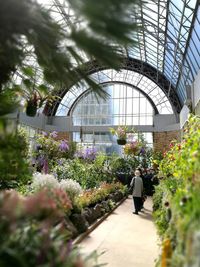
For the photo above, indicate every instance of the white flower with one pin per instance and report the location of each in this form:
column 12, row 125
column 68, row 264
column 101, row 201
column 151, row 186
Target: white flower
column 63, row 171
column 44, row 181
column 71, row 187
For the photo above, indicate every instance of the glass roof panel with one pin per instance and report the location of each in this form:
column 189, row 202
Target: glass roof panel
column 164, row 36
column 180, row 15
column 162, row 39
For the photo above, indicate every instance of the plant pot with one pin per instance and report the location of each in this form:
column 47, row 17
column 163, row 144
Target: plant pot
column 121, row 142
column 89, row 215
column 31, row 109
column 79, row 222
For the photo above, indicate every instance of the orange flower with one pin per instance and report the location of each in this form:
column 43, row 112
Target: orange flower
column 166, row 253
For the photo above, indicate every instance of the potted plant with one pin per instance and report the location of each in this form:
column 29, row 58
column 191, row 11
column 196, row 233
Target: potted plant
column 120, row 132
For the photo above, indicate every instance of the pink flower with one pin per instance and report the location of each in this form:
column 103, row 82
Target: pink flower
column 10, row 204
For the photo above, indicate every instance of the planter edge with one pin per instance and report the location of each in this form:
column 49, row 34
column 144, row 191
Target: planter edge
column 95, row 224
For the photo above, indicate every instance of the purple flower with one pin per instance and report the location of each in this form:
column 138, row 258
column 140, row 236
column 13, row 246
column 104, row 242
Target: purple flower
column 54, row 134
column 142, row 151
column 41, row 159
column 63, row 146
column 60, row 162
column 90, row 153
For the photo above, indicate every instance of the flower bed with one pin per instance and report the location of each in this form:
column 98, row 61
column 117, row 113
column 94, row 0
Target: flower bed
column 94, row 203
column 40, row 225
column 177, row 198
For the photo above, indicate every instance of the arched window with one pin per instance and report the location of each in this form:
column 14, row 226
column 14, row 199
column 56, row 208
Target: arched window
column 125, row 106
column 133, row 100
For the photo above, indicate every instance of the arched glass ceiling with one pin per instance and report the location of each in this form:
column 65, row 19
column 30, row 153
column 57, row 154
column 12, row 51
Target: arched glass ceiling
column 164, row 39
column 152, row 90
column 167, row 40
column 191, row 64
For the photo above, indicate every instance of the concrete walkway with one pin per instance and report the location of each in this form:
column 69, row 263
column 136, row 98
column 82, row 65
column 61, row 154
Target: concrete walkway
column 126, row 239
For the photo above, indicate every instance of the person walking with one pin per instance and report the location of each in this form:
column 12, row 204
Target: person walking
column 137, row 185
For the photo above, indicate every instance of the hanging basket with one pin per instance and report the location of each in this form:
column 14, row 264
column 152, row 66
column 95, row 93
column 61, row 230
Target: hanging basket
column 31, row 109
column 121, row 142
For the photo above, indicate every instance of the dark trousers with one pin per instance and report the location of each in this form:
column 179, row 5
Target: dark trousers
column 137, row 203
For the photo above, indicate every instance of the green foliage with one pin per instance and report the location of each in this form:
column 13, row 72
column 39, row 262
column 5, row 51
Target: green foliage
column 7, row 102
column 146, row 158
column 123, row 165
column 157, row 197
column 100, row 160
column 14, row 166
column 109, row 19
column 163, row 194
column 69, row 154
column 88, row 175
column 96, row 195
column 183, row 158
column 156, row 157
column 160, row 217
column 25, row 19
column 100, row 40
column 179, row 192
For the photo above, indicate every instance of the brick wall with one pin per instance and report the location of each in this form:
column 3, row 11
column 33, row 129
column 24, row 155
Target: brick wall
column 163, row 139
column 64, row 135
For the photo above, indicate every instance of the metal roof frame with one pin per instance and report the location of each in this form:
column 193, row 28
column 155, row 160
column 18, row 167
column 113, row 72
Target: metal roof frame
column 133, row 65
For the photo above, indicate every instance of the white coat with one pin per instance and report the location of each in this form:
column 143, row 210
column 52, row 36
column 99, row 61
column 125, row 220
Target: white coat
column 137, row 184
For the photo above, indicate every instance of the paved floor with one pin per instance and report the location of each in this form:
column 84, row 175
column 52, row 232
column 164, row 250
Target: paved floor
column 127, row 240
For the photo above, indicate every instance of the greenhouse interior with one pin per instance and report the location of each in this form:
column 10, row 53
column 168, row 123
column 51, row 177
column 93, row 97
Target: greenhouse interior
column 100, row 133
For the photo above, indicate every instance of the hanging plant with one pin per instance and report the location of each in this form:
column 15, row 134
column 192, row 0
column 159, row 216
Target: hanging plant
column 34, row 93
column 121, row 142
column 120, row 133
column 32, row 106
